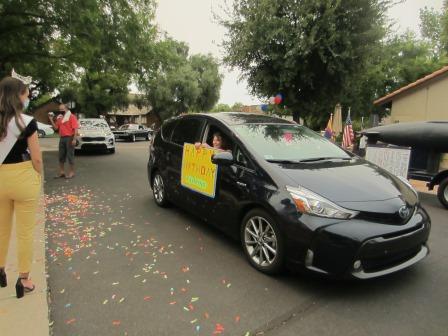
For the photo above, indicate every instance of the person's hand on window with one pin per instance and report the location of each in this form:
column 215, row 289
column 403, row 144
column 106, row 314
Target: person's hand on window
column 197, row 145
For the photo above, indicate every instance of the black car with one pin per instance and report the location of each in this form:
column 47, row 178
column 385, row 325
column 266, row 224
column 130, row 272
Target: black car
column 293, row 198
column 132, row 132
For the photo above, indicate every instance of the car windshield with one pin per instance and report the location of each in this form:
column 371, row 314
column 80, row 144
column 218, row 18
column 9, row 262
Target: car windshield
column 128, row 127
column 288, row 143
column 93, row 124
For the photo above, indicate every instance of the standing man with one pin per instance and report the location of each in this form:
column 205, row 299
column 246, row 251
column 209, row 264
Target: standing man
column 67, row 125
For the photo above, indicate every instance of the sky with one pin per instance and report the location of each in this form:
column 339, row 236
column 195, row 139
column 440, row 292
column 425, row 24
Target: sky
column 192, row 21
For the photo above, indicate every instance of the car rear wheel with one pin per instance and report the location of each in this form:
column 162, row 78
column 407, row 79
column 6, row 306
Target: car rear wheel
column 262, row 242
column 158, row 190
column 442, row 192
column 132, row 138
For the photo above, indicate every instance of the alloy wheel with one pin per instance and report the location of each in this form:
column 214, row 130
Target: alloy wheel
column 260, row 241
column 158, row 189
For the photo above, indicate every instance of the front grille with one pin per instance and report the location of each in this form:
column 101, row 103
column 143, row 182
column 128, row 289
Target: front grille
column 389, row 260
column 385, row 218
column 88, row 139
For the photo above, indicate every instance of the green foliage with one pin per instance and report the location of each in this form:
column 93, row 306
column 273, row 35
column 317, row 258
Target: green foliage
column 307, row 50
column 88, row 47
column 174, row 83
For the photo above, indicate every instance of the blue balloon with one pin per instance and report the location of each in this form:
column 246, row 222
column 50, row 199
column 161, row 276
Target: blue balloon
column 264, row 107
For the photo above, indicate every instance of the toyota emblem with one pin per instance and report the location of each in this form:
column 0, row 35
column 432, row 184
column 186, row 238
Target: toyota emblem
column 404, row 212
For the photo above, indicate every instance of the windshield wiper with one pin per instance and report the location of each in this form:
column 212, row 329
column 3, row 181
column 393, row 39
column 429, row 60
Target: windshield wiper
column 325, row 158
column 281, row 161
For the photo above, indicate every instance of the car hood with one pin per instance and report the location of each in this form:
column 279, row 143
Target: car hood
column 94, row 132
column 355, row 184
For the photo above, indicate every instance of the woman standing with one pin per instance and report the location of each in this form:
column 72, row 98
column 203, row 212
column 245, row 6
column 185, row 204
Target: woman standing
column 20, row 179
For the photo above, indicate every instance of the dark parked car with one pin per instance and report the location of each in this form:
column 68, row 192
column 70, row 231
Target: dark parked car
column 293, row 198
column 132, row 132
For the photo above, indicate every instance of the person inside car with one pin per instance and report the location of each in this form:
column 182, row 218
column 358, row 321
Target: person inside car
column 218, row 143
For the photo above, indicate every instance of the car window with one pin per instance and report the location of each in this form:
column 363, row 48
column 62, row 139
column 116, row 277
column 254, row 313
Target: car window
column 241, row 159
column 287, row 142
column 93, row 124
column 167, row 129
column 187, row 130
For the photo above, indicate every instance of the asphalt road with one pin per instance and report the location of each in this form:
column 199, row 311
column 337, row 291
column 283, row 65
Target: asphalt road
column 120, row 265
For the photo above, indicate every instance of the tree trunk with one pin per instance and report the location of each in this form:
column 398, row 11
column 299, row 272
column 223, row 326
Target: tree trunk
column 296, row 116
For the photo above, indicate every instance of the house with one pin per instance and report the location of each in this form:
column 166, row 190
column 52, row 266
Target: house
column 425, row 99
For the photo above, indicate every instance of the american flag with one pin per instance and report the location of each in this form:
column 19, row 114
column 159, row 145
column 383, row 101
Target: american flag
column 347, row 139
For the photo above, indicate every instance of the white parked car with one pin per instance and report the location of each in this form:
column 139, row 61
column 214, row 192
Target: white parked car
column 95, row 133
column 44, row 130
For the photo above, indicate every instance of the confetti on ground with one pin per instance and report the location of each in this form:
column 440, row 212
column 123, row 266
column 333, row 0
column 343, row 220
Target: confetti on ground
column 73, row 320
column 116, row 323
column 219, row 329
column 147, row 298
column 237, row 319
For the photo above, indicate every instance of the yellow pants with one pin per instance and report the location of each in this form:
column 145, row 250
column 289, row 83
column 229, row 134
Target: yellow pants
column 20, row 188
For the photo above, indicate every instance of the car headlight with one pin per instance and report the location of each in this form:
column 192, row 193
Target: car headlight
column 405, row 181
column 310, row 203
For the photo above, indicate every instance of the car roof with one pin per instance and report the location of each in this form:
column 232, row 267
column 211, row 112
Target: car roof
column 239, row 118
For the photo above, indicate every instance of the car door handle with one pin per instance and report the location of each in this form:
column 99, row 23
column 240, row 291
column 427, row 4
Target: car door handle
column 241, row 184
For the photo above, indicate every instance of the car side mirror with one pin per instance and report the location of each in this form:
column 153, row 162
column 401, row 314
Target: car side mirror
column 222, row 159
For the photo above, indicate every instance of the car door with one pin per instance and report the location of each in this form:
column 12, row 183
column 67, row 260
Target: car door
column 233, row 190
column 187, row 130
column 232, row 185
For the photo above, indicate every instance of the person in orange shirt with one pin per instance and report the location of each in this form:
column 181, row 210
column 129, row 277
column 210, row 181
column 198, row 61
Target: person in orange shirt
column 67, row 126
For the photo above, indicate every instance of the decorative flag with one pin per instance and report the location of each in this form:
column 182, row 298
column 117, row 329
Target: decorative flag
column 329, row 130
column 347, row 139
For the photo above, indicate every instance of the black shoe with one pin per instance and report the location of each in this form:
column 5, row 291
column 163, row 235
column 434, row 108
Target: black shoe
column 21, row 289
column 3, row 282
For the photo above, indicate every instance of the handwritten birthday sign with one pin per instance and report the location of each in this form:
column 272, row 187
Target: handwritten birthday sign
column 198, row 171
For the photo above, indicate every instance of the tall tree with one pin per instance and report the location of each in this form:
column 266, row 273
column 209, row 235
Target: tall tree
column 307, row 50
column 175, row 83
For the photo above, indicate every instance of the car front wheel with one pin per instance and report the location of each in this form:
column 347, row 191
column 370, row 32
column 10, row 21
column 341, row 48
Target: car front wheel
column 262, row 242
column 442, row 192
column 158, row 190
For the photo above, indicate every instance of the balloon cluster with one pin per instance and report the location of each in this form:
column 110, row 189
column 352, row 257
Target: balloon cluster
column 272, row 100
column 276, row 100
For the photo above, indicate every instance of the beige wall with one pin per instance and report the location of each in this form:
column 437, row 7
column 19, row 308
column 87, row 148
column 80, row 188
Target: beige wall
column 428, row 102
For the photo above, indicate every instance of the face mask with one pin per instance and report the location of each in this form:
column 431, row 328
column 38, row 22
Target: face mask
column 26, row 103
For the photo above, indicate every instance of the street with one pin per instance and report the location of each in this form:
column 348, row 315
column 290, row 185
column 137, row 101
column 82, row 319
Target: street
column 120, row 265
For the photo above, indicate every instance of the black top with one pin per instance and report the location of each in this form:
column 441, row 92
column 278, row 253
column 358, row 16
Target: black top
column 21, row 146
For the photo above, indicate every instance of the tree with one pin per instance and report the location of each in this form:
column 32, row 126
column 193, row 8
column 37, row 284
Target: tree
column 307, row 50
column 209, row 81
column 92, row 46
column 175, row 83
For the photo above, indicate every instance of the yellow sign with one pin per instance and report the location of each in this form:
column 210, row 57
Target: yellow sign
column 198, row 171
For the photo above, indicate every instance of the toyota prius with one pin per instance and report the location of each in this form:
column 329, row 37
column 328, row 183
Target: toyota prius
column 293, row 198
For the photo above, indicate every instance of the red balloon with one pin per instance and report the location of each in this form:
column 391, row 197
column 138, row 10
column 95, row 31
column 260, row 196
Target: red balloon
column 278, row 99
